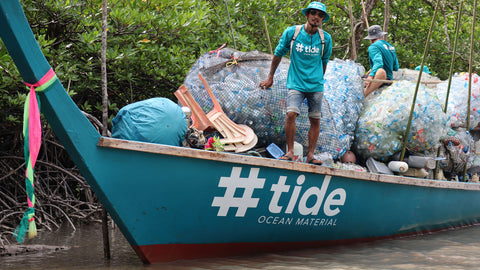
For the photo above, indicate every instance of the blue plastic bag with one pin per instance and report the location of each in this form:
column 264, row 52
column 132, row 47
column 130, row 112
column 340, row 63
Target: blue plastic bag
column 155, row 120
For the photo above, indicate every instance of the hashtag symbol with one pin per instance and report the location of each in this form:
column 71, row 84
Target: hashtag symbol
column 299, row 47
column 231, row 184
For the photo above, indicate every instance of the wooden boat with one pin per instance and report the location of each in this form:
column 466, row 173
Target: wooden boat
column 174, row 203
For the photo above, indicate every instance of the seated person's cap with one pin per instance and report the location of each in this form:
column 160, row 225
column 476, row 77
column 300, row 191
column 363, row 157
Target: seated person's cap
column 375, row 32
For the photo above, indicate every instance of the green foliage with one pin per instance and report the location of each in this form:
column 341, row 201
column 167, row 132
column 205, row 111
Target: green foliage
column 11, row 100
column 153, row 43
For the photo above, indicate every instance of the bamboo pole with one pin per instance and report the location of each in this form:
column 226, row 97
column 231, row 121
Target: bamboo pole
column 231, row 27
column 427, row 44
column 365, row 14
column 470, row 63
column 457, row 27
column 353, row 35
column 268, row 35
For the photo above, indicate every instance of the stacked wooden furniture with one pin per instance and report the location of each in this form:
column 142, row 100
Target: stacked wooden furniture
column 236, row 137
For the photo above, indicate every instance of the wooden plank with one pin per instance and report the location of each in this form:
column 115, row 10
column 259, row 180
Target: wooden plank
column 393, row 81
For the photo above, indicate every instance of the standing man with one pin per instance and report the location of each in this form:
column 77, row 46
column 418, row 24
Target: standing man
column 382, row 58
column 309, row 53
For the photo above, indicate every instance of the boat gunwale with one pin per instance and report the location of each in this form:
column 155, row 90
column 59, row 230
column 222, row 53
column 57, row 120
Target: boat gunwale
column 163, row 149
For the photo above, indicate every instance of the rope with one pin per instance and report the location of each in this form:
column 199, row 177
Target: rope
column 233, row 62
column 32, row 132
column 217, row 51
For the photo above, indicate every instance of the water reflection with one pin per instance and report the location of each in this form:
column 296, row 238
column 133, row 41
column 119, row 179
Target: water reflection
column 83, row 250
column 456, row 249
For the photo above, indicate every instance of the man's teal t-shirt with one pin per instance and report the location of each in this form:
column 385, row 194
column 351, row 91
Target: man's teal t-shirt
column 306, row 63
column 381, row 54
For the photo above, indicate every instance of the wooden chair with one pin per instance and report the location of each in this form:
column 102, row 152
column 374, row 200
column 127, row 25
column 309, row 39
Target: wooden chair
column 199, row 119
column 238, row 138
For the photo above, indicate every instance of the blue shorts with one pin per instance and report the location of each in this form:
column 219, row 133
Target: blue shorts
column 314, row 102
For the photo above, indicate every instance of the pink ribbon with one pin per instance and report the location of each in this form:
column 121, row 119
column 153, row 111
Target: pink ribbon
column 34, row 127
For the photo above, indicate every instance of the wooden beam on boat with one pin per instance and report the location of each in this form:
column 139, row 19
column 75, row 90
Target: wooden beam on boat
column 393, row 81
column 275, row 163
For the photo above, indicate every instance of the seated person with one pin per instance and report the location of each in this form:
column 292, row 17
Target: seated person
column 382, row 58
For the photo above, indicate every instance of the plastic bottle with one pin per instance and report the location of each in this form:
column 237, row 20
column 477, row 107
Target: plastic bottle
column 297, row 152
column 398, row 166
column 421, row 162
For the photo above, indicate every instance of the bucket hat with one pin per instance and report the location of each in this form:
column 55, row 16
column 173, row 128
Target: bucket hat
column 375, row 32
column 425, row 69
column 319, row 6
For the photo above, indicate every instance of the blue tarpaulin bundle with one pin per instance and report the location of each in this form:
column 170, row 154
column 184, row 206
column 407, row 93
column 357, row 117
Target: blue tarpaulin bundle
column 155, row 120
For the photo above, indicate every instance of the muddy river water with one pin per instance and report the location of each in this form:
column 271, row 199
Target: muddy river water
column 83, row 249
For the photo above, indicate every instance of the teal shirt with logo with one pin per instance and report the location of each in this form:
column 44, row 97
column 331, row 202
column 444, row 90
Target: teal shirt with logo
column 306, row 63
column 381, row 54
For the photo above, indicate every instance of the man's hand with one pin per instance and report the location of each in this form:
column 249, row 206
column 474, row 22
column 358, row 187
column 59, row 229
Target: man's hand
column 266, row 84
column 367, row 83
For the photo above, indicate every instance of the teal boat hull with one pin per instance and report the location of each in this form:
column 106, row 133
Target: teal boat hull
column 175, row 203
column 221, row 204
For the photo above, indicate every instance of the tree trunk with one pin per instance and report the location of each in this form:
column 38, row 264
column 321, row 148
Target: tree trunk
column 104, row 69
column 386, row 18
column 359, row 25
column 363, row 22
column 106, row 240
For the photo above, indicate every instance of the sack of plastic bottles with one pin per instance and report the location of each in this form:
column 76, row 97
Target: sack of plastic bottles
column 344, row 101
column 458, row 99
column 383, row 122
column 235, row 77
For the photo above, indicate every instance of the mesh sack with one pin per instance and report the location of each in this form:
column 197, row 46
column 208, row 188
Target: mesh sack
column 234, row 78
